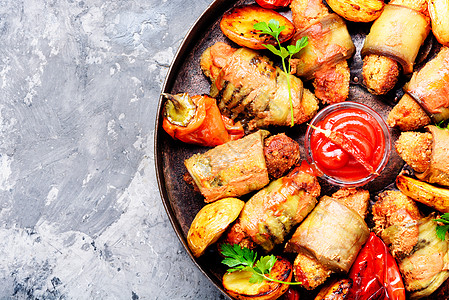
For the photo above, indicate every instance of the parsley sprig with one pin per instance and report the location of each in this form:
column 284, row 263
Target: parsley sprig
column 442, row 229
column 273, row 29
column 244, row 259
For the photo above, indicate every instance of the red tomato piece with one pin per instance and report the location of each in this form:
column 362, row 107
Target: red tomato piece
column 273, row 4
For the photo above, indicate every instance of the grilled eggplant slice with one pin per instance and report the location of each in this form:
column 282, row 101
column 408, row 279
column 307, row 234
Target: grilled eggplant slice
column 333, row 233
column 271, row 213
column 210, row 223
column 232, row 169
column 238, row 286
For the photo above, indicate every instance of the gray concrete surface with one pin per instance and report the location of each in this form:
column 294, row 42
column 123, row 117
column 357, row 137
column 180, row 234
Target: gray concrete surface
column 80, row 211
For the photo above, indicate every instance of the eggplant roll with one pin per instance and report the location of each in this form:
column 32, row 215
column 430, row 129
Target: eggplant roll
column 249, row 88
column 273, row 211
column 332, row 233
column 427, row 267
column 398, row 33
column 329, row 43
column 232, row 169
column 430, row 86
column 438, row 170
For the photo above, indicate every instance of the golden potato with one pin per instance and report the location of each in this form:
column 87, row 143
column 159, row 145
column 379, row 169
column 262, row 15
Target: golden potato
column 237, row 24
column 425, row 193
column 238, row 286
column 439, row 16
column 210, row 223
column 357, row 10
column 335, row 290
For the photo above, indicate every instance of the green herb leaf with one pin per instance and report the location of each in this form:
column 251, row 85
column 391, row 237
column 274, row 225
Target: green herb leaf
column 244, row 259
column 273, row 29
column 442, row 229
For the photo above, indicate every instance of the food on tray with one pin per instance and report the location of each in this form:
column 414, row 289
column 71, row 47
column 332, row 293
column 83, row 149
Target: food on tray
column 422, row 257
column 347, row 143
column 239, row 167
column 408, row 250
column 271, row 213
column 197, row 120
column 427, row 93
column 425, row 193
column 238, row 25
column 375, row 274
column 324, row 57
column 390, row 36
column 210, row 223
column 247, row 86
column 332, row 235
column 426, row 153
column 439, row 12
column 357, row 10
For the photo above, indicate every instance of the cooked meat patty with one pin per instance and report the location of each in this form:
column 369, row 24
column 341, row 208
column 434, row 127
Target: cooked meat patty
column 332, row 84
column 281, row 154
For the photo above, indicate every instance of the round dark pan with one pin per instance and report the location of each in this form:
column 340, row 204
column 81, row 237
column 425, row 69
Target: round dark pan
column 181, row 202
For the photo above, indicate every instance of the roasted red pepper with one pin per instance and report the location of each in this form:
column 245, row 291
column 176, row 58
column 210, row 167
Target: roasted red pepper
column 273, row 4
column 197, row 120
column 375, row 274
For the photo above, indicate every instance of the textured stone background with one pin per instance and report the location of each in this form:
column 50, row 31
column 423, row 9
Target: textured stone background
column 80, row 211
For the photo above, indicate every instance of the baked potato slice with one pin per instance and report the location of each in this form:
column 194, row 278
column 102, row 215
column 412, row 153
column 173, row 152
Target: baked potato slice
column 210, row 223
column 357, row 10
column 425, row 193
column 439, row 16
column 335, row 290
column 238, row 286
column 237, row 24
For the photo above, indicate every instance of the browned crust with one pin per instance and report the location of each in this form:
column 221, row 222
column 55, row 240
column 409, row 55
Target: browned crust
column 309, row 271
column 408, row 115
column 415, row 148
column 393, row 208
column 355, row 199
column 281, row 154
column 332, row 83
column 380, row 73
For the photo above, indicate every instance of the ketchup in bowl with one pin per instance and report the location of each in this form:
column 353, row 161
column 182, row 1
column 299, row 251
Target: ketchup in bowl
column 363, row 130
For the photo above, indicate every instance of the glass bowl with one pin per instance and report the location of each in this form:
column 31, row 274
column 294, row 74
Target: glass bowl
column 335, row 179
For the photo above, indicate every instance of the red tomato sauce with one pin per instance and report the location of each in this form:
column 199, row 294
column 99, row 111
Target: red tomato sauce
column 366, row 135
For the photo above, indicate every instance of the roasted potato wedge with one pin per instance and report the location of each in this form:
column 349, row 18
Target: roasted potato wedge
column 237, row 24
column 335, row 290
column 238, row 286
column 357, row 10
column 210, row 223
column 439, row 16
column 425, row 193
